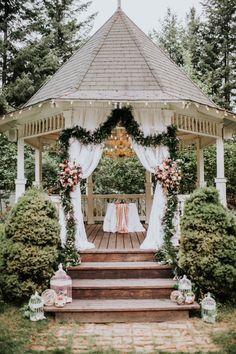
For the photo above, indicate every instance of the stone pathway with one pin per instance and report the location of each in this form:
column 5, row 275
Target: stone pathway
column 189, row 336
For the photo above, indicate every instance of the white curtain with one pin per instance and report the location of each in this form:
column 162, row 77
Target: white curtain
column 151, row 122
column 88, row 157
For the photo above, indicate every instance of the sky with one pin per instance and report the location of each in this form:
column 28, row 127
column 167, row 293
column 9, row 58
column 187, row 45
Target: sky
column 145, row 13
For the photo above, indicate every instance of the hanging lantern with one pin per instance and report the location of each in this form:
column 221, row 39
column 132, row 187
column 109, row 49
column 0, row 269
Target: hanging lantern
column 208, row 309
column 36, row 308
column 62, row 284
column 185, row 285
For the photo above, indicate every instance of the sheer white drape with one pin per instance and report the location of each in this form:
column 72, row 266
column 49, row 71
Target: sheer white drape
column 152, row 121
column 88, row 157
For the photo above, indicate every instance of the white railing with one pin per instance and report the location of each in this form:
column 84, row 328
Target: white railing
column 43, row 126
column 100, row 204
column 195, row 125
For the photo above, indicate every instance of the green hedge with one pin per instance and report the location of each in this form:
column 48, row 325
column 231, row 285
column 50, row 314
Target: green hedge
column 208, row 244
column 30, row 246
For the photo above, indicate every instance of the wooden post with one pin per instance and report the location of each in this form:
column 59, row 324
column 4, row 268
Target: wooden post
column 200, row 165
column 38, row 166
column 89, row 192
column 20, row 182
column 220, row 178
column 148, row 195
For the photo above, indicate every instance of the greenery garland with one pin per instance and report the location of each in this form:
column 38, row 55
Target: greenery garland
column 124, row 117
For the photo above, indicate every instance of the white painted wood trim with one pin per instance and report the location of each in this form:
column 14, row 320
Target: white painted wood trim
column 38, row 165
column 200, row 165
column 220, row 178
column 20, row 182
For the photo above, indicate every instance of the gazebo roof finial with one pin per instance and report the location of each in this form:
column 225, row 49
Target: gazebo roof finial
column 119, row 4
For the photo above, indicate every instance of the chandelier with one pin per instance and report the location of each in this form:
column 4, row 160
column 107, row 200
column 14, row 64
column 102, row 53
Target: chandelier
column 118, row 144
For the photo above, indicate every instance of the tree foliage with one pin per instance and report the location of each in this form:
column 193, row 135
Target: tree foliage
column 208, row 244
column 29, row 250
column 36, row 37
column 119, row 176
column 217, row 60
column 170, row 37
column 205, row 48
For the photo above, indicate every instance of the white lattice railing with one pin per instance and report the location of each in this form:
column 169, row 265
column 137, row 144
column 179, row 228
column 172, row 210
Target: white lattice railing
column 101, row 201
column 195, row 125
column 45, row 125
column 100, row 204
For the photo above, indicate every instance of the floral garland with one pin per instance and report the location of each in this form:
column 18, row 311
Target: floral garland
column 124, row 117
column 69, row 177
column 169, row 176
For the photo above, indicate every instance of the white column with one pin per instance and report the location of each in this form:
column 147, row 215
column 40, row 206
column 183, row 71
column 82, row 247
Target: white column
column 200, row 165
column 148, row 195
column 220, row 178
column 38, row 166
column 20, row 181
column 89, row 192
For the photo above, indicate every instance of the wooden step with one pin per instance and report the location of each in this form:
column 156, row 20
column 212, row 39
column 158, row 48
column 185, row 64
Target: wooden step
column 120, row 270
column 122, row 288
column 117, row 255
column 104, row 311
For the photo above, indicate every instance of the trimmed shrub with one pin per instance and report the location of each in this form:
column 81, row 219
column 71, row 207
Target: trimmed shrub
column 30, row 247
column 208, row 244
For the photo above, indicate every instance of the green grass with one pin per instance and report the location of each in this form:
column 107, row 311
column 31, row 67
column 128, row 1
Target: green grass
column 19, row 335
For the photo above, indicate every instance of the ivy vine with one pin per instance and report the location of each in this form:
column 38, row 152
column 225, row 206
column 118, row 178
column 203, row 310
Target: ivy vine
column 123, row 117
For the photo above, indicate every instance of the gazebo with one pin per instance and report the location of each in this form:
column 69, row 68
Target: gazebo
column 119, row 66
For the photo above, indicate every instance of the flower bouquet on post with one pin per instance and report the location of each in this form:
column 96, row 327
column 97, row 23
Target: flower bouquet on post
column 169, row 175
column 70, row 175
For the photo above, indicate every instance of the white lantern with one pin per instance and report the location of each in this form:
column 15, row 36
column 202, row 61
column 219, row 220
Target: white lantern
column 61, row 283
column 208, row 309
column 185, row 285
column 36, row 307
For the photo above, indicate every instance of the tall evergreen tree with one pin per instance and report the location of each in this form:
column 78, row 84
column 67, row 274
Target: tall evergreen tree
column 61, row 23
column 41, row 35
column 169, row 38
column 217, row 60
column 191, row 45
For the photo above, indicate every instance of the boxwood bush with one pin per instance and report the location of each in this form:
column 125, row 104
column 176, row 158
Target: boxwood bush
column 208, row 244
column 30, row 246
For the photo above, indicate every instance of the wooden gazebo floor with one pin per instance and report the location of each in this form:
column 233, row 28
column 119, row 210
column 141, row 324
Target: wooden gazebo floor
column 107, row 240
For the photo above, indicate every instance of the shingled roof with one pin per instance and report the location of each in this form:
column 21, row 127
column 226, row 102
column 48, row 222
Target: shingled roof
column 119, row 62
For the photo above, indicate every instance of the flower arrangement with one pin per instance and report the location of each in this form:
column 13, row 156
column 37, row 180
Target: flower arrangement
column 169, row 175
column 70, row 175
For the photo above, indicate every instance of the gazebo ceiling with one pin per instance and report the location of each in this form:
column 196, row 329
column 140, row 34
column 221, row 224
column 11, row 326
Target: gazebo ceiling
column 119, row 62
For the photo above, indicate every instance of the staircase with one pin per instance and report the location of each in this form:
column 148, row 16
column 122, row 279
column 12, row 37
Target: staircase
column 121, row 286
